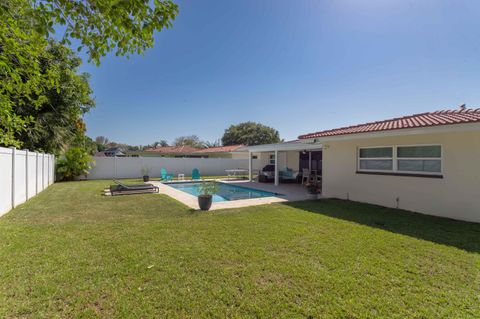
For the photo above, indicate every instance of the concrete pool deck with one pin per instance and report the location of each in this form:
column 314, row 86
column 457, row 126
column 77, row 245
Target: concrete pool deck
column 288, row 192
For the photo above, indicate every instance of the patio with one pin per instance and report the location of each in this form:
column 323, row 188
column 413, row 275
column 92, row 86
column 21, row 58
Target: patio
column 293, row 155
column 287, row 193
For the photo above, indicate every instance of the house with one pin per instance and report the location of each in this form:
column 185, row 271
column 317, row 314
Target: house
column 231, row 151
column 426, row 162
column 111, row 152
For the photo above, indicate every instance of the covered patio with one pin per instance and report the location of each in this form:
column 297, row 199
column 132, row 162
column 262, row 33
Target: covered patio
column 288, row 157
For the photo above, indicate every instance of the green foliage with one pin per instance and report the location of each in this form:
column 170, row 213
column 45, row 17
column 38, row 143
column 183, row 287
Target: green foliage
column 102, row 26
column 76, row 162
column 38, row 75
column 58, row 120
column 145, row 170
column 190, row 140
column 208, row 188
column 22, row 82
column 250, row 133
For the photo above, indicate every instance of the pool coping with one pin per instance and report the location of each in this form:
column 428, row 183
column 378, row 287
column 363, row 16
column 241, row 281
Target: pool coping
column 192, row 201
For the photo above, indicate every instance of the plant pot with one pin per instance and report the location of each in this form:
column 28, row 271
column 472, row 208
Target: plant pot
column 205, row 202
column 146, row 178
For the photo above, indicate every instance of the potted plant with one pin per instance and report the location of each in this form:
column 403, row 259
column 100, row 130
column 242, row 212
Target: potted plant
column 313, row 189
column 145, row 172
column 207, row 189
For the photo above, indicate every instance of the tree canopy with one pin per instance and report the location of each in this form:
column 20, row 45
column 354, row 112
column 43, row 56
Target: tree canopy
column 250, row 133
column 190, row 140
column 39, row 83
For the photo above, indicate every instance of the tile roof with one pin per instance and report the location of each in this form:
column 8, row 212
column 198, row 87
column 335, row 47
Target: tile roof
column 172, row 149
column 189, row 149
column 220, row 149
column 438, row 118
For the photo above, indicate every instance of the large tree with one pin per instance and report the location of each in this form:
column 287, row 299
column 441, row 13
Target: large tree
column 250, row 133
column 58, row 120
column 99, row 26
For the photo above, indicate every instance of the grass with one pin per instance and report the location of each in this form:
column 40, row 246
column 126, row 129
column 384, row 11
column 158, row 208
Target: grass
column 72, row 252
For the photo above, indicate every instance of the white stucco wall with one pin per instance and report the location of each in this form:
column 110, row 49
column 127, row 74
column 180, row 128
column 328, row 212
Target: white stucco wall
column 456, row 195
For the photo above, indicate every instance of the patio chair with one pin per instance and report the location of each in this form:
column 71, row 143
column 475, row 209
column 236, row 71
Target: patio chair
column 125, row 189
column 305, row 175
column 196, row 174
column 164, row 176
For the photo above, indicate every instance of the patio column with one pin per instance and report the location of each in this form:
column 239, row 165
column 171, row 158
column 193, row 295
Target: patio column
column 276, row 168
column 250, row 164
column 310, row 161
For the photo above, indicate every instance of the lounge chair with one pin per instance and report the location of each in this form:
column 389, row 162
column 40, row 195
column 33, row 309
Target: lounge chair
column 196, row 174
column 124, row 189
column 164, row 176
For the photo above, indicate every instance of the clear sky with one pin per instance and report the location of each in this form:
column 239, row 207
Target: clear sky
column 299, row 66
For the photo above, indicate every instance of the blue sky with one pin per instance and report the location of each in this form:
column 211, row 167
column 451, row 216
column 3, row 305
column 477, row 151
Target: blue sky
column 299, row 66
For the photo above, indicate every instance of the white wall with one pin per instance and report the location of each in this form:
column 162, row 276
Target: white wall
column 130, row 167
column 456, row 195
column 23, row 174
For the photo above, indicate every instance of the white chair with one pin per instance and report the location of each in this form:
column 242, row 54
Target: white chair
column 305, row 175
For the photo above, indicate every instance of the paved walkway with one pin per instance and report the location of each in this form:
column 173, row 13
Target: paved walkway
column 288, row 192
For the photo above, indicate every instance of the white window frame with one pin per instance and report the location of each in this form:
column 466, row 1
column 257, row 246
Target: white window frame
column 395, row 160
column 376, row 159
column 271, row 159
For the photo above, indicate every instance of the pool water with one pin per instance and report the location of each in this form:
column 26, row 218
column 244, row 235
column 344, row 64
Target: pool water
column 225, row 192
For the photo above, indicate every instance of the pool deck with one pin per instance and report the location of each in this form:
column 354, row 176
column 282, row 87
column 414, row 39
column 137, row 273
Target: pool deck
column 289, row 192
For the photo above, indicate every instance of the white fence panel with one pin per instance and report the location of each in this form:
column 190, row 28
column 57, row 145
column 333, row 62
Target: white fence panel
column 39, row 172
column 45, row 171
column 23, row 174
column 20, row 188
column 6, row 179
column 131, row 167
column 31, row 175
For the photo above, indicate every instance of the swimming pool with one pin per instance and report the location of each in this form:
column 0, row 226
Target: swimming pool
column 225, row 192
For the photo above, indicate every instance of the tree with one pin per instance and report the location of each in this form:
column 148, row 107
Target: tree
column 215, row 143
column 101, row 26
column 26, row 26
column 58, row 120
column 161, row 143
column 190, row 140
column 250, row 133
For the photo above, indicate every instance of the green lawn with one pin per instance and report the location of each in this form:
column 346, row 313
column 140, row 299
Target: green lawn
column 72, row 252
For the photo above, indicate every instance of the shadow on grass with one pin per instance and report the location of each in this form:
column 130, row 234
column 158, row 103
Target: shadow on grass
column 463, row 235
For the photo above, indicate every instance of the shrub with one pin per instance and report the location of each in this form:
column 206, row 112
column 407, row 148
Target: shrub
column 76, row 162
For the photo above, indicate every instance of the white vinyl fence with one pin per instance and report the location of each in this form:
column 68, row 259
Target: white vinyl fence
column 23, row 174
column 131, row 167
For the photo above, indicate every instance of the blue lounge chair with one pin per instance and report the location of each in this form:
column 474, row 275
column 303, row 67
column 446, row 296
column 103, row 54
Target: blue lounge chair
column 195, row 174
column 164, row 175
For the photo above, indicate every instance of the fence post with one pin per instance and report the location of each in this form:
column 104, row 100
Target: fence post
column 36, row 173
column 53, row 168
column 13, row 175
column 43, row 171
column 26, row 175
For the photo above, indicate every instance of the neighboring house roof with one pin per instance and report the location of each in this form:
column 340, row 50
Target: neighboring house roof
column 172, row 149
column 100, row 154
column 446, row 117
column 191, row 150
column 220, row 149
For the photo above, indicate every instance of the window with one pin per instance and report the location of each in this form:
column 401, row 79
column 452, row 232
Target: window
column 426, row 159
column 376, row 158
column 416, row 159
column 272, row 159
